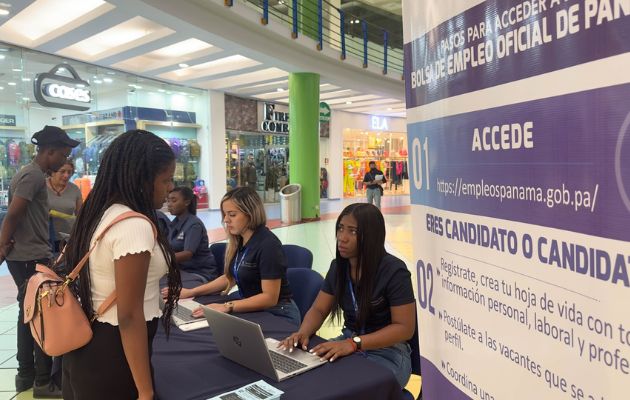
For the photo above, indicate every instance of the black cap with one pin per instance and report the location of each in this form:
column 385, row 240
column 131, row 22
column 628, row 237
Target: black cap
column 53, row 135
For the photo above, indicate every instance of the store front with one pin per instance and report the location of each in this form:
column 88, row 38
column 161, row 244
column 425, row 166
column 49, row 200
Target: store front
column 257, row 142
column 358, row 139
column 94, row 105
column 387, row 149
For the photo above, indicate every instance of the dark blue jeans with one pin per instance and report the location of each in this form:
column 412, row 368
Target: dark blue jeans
column 287, row 310
column 31, row 359
column 396, row 358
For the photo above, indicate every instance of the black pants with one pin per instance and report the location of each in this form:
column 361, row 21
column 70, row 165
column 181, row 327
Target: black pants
column 31, row 359
column 99, row 370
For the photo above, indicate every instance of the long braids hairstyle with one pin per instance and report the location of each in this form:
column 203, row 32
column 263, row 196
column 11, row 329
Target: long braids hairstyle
column 371, row 250
column 249, row 203
column 126, row 176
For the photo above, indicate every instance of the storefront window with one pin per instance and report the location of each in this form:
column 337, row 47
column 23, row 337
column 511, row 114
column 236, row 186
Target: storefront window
column 387, row 149
column 107, row 103
column 259, row 161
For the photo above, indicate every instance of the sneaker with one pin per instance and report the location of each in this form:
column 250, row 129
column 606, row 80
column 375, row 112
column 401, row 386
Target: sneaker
column 47, row 391
column 23, row 383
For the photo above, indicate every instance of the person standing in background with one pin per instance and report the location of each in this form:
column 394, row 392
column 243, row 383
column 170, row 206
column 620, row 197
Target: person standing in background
column 64, row 200
column 374, row 178
column 248, row 175
column 24, row 242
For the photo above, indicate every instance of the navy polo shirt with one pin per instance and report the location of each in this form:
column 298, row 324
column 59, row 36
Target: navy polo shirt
column 392, row 287
column 261, row 258
column 187, row 233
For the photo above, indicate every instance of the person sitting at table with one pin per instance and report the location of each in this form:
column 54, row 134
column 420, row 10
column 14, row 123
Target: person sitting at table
column 254, row 261
column 135, row 174
column 374, row 292
column 188, row 236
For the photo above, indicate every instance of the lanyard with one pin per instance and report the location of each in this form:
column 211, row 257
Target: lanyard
column 237, row 266
column 355, row 305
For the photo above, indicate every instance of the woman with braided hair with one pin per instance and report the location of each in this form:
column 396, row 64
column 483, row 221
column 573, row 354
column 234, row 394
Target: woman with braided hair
column 136, row 174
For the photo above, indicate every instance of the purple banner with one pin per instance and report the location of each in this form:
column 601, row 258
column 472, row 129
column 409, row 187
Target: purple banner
column 497, row 42
column 561, row 162
column 441, row 387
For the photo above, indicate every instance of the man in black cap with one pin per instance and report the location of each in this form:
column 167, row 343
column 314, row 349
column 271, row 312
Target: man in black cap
column 24, row 242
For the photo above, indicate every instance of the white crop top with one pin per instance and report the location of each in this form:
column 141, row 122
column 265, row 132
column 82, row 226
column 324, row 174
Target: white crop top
column 131, row 236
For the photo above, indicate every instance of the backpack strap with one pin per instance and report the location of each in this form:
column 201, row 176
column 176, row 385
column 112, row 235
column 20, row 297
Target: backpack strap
column 111, row 299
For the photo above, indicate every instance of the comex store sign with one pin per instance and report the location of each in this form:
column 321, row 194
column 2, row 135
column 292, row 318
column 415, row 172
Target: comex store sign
column 274, row 121
column 60, row 91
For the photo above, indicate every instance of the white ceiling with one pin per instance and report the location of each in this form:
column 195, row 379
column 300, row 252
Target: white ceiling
column 197, row 43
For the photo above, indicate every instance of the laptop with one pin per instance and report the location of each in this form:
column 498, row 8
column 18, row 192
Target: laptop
column 182, row 316
column 243, row 342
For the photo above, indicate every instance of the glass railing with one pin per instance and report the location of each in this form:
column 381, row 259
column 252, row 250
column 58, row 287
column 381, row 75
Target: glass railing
column 327, row 24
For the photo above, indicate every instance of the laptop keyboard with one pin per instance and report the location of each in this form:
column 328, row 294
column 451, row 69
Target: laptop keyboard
column 184, row 314
column 285, row 364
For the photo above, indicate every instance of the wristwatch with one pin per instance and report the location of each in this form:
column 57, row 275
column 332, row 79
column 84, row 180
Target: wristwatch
column 230, row 306
column 357, row 341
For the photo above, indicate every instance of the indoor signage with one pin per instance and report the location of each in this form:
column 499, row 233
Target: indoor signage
column 7, row 120
column 380, row 123
column 274, row 121
column 324, row 112
column 59, row 91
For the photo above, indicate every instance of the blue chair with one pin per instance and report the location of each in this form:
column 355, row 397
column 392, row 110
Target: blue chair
column 298, row 256
column 305, row 285
column 414, row 343
column 218, row 251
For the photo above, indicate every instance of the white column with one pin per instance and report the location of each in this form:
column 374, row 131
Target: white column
column 335, row 150
column 213, row 161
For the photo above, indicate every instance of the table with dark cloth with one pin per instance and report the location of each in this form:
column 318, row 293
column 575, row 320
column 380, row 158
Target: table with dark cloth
column 188, row 366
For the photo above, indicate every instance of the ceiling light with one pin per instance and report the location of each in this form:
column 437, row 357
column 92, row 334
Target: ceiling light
column 2, row 56
column 80, row 85
column 12, row 83
column 348, row 102
column 26, row 79
column 107, row 80
column 389, row 108
column 17, row 69
column 183, row 65
column 1, row 87
column 4, row 12
column 161, row 90
column 356, row 21
column 97, row 81
column 25, row 98
column 280, row 89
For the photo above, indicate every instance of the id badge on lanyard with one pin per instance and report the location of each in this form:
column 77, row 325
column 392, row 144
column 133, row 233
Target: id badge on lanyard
column 355, row 305
column 237, row 266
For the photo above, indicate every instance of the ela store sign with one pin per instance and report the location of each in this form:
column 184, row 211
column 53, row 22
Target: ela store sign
column 52, row 89
column 379, row 123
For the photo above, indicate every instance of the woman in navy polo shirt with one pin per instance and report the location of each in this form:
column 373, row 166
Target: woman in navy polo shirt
column 188, row 236
column 254, row 261
column 371, row 289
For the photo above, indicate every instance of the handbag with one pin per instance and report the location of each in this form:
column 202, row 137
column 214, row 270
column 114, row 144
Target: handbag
column 53, row 311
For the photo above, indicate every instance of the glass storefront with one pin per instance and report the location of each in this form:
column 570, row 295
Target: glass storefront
column 387, row 149
column 94, row 105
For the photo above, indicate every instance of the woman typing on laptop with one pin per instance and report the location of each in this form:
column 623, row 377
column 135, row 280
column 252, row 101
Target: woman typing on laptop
column 254, row 261
column 373, row 291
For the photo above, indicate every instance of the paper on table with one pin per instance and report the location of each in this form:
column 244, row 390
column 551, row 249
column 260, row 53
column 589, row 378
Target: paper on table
column 260, row 390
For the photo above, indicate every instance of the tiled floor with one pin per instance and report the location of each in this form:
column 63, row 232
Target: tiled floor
column 319, row 237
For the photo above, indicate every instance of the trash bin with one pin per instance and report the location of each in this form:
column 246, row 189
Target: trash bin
column 291, row 203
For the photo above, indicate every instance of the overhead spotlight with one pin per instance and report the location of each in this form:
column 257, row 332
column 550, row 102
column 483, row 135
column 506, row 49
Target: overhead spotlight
column 2, row 56
column 26, row 79
column 11, row 83
column 97, row 81
column 161, row 90
column 108, row 80
column 1, row 87
column 280, row 89
column 183, row 65
column 389, row 108
column 17, row 69
column 348, row 102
